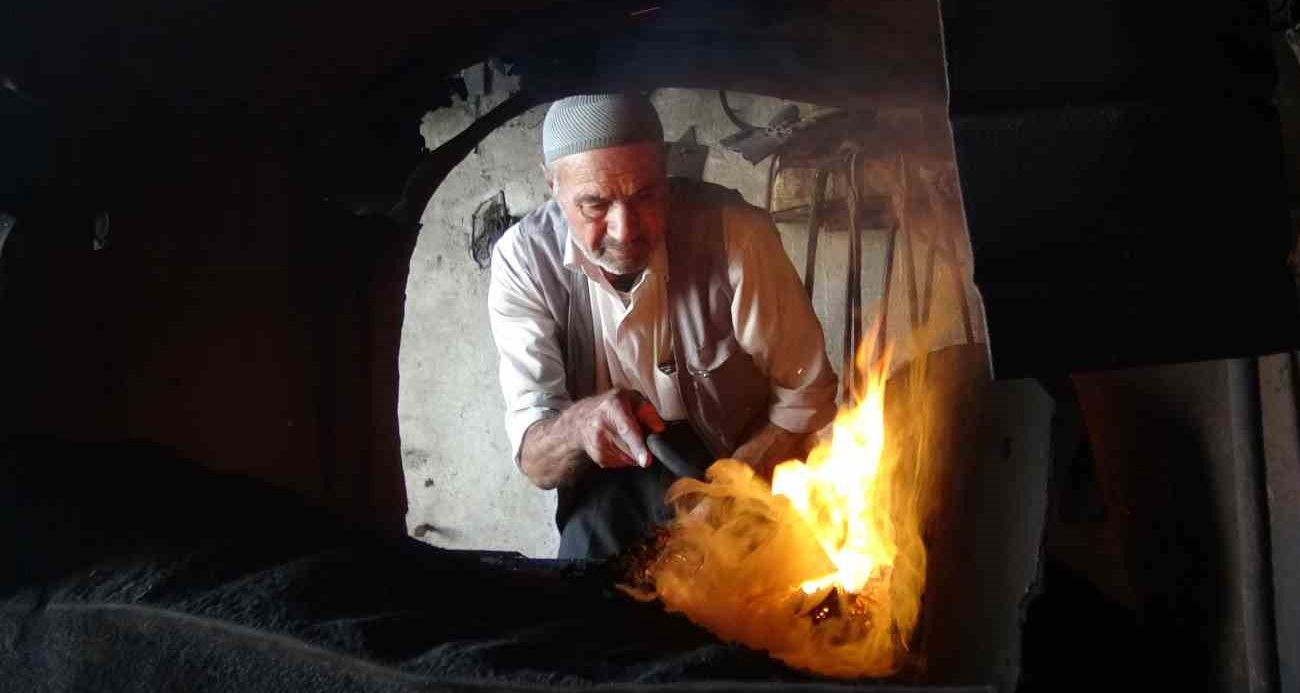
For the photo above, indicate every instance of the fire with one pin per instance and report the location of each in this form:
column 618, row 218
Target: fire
column 835, row 493
column 825, row 568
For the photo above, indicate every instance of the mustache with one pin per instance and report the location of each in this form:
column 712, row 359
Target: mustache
column 608, row 243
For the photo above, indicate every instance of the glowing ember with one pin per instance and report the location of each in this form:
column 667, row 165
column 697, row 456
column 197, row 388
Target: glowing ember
column 825, row 568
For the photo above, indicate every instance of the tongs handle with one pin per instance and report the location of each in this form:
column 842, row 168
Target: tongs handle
column 672, row 460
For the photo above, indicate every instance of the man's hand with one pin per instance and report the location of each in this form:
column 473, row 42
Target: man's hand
column 609, row 428
column 769, row 446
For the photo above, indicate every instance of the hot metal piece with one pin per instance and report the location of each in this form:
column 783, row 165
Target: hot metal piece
column 827, row 608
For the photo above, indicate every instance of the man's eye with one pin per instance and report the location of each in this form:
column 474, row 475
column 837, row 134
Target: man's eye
column 595, row 209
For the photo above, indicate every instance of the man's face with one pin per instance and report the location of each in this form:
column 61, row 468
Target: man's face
column 616, row 203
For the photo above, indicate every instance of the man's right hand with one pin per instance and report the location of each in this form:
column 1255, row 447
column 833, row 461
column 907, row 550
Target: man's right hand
column 610, row 428
column 612, row 433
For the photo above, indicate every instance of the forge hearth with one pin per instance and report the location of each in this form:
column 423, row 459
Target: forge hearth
column 134, row 576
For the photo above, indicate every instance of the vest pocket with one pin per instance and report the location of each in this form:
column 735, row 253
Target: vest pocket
column 730, row 391
column 713, row 356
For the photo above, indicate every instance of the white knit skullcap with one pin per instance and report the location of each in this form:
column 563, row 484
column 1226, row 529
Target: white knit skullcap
column 596, row 121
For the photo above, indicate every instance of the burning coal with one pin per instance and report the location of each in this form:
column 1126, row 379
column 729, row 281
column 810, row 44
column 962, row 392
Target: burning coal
column 825, row 568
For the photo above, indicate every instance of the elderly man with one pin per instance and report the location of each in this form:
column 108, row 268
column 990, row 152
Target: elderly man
column 630, row 300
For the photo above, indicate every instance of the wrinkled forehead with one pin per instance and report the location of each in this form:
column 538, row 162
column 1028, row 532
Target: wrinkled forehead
column 613, row 170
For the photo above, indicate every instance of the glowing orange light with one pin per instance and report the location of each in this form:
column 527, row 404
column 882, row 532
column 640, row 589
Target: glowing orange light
column 834, row 492
column 824, row 568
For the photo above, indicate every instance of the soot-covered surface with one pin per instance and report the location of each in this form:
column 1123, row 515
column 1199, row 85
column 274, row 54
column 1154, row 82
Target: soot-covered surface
column 137, row 571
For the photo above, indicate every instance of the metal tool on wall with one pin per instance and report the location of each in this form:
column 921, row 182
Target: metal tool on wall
column 490, row 220
column 851, row 387
column 687, row 157
column 814, row 229
column 756, row 143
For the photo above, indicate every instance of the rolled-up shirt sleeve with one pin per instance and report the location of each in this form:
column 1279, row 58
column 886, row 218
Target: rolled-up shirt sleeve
column 531, row 366
column 775, row 323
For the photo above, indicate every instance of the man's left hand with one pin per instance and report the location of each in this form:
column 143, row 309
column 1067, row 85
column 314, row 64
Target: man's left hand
column 770, row 446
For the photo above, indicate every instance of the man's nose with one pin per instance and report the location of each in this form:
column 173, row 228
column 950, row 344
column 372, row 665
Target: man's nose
column 622, row 223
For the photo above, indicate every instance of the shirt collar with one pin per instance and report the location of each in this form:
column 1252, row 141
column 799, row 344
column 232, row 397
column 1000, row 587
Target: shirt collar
column 574, row 259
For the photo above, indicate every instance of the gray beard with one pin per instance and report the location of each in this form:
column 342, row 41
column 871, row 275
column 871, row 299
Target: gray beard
column 612, row 272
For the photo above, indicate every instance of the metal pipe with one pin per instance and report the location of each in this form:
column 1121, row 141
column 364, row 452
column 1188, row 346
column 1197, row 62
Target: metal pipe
column 853, row 300
column 883, row 330
column 814, row 230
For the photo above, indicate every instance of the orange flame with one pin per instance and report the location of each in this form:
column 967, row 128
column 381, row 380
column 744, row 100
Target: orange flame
column 835, row 492
column 825, row 568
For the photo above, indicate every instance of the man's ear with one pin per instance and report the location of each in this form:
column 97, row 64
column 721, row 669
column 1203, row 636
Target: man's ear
column 550, row 178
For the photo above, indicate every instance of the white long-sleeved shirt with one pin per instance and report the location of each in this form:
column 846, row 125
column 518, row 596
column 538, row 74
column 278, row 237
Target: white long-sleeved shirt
column 771, row 315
